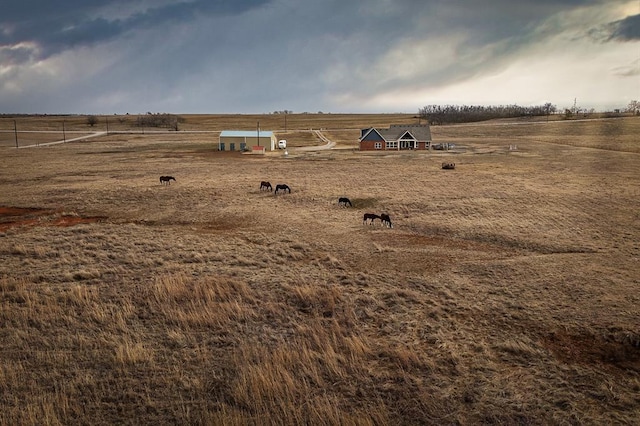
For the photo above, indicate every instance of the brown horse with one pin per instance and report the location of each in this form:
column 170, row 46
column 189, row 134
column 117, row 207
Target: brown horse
column 167, row 179
column 343, row 201
column 371, row 217
column 386, row 220
column 282, row 187
column 266, row 186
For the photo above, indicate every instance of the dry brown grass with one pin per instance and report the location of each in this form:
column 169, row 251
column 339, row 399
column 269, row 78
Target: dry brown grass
column 506, row 293
column 34, row 130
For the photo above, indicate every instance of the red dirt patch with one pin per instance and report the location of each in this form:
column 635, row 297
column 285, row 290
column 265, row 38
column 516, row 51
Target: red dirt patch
column 589, row 349
column 11, row 217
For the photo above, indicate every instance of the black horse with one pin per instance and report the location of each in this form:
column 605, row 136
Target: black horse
column 282, row 187
column 343, row 201
column 386, row 220
column 167, row 179
column 371, row 217
column 266, row 186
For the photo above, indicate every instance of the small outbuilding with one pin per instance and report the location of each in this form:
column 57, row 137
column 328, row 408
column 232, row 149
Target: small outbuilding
column 395, row 138
column 245, row 140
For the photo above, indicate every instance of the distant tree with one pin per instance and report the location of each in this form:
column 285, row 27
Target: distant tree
column 160, row 120
column 92, row 120
column 549, row 108
column 634, row 107
column 174, row 123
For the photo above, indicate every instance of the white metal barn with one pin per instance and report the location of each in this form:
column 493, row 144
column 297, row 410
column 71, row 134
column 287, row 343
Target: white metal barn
column 241, row 140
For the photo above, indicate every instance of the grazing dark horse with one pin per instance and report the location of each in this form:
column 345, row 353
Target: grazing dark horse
column 167, row 179
column 343, row 201
column 370, row 216
column 386, row 220
column 265, row 185
column 282, row 187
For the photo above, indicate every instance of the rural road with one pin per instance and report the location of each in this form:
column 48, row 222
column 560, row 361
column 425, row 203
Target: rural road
column 79, row 138
column 328, row 144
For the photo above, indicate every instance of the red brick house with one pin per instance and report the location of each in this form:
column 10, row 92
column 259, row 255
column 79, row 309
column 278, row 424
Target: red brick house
column 396, row 138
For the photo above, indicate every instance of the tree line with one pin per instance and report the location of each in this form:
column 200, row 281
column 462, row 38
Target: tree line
column 445, row 114
column 170, row 121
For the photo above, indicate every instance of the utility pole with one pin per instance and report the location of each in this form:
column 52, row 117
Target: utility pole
column 107, row 118
column 258, row 131
column 64, row 134
column 15, row 130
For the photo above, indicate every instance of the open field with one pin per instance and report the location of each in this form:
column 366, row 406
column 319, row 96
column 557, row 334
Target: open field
column 34, row 130
column 506, row 292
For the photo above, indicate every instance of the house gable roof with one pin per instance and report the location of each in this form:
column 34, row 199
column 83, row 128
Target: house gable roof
column 421, row 133
column 371, row 135
column 407, row 136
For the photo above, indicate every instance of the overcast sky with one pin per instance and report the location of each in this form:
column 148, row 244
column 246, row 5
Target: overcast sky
column 257, row 56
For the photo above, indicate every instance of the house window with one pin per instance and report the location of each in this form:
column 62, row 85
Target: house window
column 392, row 145
column 378, row 145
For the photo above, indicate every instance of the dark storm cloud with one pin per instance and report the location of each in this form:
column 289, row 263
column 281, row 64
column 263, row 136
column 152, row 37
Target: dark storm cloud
column 56, row 26
column 75, row 22
column 626, row 29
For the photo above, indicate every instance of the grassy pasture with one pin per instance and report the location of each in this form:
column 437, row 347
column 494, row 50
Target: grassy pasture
column 34, row 130
column 506, row 293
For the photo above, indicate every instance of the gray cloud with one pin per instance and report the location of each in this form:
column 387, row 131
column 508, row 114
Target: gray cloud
column 55, row 27
column 630, row 70
column 626, row 29
column 257, row 55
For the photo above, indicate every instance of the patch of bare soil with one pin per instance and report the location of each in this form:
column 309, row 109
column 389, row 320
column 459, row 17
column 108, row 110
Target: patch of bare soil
column 619, row 351
column 12, row 217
